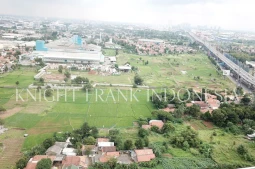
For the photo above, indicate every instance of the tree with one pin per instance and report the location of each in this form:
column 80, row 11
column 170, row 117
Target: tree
column 246, row 100
column 48, row 93
column 178, row 113
column 138, row 80
column 112, row 162
column 155, row 129
column 128, row 144
column 89, row 140
column 41, row 80
column 67, row 74
column 48, row 143
column 242, row 150
column 60, row 69
column 139, row 144
column 218, row 117
column 206, row 116
column 22, row 163
column 168, row 127
column 17, row 83
column 44, row 164
column 143, row 133
column 193, row 110
column 87, row 87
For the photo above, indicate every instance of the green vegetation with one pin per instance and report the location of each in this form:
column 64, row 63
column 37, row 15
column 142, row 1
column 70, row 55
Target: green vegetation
column 44, row 164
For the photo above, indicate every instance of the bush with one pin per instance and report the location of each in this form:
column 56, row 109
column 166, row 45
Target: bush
column 241, row 150
column 1, row 121
column 143, row 133
column 2, row 109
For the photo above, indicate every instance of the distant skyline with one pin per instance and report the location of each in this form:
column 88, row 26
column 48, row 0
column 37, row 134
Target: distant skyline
column 227, row 14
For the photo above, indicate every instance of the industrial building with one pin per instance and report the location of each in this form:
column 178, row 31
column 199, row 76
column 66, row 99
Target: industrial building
column 63, row 54
column 80, row 57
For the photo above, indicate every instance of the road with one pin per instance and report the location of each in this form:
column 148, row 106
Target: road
column 242, row 73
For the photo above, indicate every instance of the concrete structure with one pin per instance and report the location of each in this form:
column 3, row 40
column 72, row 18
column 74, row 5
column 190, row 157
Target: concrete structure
column 251, row 63
column 245, row 76
column 92, row 47
column 79, row 56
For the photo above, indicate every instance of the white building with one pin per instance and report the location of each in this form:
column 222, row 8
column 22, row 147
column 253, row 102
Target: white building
column 79, row 57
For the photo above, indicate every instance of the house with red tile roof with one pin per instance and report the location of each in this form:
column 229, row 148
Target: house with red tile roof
column 144, row 155
column 103, row 140
column 32, row 163
column 158, row 123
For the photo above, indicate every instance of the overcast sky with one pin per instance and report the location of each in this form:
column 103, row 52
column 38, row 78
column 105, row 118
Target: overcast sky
column 228, row 14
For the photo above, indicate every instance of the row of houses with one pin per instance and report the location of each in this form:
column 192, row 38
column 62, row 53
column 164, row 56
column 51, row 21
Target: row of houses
column 211, row 103
column 63, row 156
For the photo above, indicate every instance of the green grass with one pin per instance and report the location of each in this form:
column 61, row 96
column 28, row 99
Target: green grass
column 44, row 118
column 109, row 52
column 225, row 145
column 25, row 76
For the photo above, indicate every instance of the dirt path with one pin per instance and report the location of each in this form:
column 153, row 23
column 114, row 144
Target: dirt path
column 10, row 112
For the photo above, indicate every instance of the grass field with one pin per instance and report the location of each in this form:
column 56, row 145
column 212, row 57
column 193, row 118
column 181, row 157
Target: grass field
column 166, row 71
column 12, row 141
column 42, row 119
column 225, row 145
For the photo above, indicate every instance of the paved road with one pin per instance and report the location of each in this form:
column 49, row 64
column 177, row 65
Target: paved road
column 242, row 73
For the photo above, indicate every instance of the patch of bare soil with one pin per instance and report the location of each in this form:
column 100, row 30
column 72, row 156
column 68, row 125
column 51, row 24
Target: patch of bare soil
column 10, row 112
column 208, row 124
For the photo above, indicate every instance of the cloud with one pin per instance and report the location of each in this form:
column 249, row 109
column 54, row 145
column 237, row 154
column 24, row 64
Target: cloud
column 229, row 14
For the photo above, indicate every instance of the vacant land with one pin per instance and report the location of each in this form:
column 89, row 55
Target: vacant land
column 12, row 143
column 184, row 70
column 225, row 145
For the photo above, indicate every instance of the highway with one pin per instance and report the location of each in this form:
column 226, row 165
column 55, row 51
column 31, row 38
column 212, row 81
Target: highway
column 242, row 73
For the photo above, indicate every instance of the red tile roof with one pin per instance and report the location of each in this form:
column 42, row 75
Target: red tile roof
column 158, row 123
column 71, row 160
column 109, row 149
column 144, row 155
column 103, row 140
column 33, row 161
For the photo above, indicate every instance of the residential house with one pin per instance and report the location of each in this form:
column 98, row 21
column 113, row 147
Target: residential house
column 158, row 123
column 32, row 163
column 143, row 155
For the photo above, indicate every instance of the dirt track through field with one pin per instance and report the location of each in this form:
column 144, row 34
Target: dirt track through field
column 10, row 112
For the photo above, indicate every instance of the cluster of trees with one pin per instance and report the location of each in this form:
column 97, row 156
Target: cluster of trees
column 244, row 153
column 86, row 134
column 112, row 164
column 230, row 116
column 186, row 139
column 40, row 62
column 80, row 80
